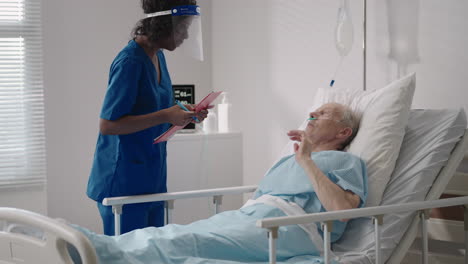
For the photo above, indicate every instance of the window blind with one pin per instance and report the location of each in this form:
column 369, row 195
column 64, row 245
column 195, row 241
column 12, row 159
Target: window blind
column 22, row 137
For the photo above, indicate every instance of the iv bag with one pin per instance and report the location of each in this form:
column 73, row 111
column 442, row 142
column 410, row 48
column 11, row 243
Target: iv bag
column 344, row 33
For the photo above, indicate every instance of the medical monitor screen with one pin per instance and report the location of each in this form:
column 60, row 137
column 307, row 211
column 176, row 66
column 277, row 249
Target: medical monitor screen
column 185, row 93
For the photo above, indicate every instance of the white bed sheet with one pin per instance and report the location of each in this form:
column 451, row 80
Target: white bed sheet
column 430, row 138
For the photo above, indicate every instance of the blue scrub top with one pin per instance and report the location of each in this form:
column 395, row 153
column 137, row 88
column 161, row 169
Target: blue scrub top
column 288, row 180
column 131, row 164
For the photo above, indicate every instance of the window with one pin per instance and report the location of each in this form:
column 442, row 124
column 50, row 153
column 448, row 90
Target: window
column 22, row 137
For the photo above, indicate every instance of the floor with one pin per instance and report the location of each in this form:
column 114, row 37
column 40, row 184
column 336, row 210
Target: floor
column 440, row 252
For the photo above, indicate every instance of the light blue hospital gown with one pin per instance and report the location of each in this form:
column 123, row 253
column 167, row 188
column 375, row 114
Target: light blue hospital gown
column 232, row 236
column 289, row 181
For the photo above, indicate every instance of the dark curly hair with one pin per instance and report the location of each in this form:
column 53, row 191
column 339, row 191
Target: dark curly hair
column 160, row 27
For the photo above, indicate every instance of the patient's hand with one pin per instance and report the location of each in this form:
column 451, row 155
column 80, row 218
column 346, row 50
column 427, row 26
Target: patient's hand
column 303, row 151
column 296, row 135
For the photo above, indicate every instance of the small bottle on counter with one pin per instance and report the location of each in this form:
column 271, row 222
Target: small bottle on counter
column 210, row 124
column 223, row 113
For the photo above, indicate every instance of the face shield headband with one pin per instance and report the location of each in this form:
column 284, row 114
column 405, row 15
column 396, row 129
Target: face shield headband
column 186, row 29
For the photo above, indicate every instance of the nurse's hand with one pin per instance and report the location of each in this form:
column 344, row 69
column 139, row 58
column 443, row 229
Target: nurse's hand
column 179, row 117
column 200, row 115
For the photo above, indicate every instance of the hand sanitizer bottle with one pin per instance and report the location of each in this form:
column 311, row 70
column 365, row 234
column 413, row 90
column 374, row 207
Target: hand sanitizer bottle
column 223, row 114
column 210, row 123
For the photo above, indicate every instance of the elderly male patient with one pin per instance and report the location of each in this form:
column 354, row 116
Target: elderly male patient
column 318, row 177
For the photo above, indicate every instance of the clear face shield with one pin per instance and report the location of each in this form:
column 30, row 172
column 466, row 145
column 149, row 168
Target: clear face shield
column 186, row 29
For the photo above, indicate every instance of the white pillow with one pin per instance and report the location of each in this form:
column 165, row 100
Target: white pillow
column 384, row 114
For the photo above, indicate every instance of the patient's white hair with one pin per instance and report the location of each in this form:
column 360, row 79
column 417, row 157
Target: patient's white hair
column 350, row 119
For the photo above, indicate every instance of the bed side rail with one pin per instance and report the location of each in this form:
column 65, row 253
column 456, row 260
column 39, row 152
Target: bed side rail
column 51, row 247
column 376, row 212
column 118, row 202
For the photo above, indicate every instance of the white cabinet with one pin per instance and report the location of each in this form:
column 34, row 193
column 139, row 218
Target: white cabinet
column 202, row 161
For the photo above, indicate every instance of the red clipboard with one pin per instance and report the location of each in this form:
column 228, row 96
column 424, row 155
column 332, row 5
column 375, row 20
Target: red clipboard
column 204, row 103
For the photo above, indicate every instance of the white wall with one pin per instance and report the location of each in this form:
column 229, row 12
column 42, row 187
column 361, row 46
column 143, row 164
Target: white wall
column 81, row 38
column 241, row 62
column 272, row 55
column 32, row 198
column 441, row 43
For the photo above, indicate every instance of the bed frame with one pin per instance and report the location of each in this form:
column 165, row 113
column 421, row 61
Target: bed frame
column 20, row 248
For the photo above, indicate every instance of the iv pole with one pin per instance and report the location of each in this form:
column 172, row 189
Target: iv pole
column 364, row 42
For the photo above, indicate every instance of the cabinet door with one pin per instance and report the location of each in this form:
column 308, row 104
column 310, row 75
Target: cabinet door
column 204, row 161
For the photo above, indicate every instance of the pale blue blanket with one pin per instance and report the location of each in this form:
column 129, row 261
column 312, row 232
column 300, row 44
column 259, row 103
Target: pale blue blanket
column 226, row 238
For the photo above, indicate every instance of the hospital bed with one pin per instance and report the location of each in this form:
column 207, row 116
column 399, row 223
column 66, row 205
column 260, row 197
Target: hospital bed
column 430, row 154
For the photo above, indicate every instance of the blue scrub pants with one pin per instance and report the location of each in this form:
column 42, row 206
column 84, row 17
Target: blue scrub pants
column 134, row 216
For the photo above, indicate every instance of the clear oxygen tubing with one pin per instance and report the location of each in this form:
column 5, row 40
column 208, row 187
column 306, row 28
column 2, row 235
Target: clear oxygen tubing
column 332, row 82
column 204, row 163
column 206, row 166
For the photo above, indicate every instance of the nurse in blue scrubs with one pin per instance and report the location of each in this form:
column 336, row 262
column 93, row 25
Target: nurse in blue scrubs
column 137, row 108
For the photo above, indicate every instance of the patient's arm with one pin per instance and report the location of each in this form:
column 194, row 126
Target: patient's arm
column 332, row 196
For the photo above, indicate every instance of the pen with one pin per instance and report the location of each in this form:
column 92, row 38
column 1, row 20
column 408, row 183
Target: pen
column 185, row 108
